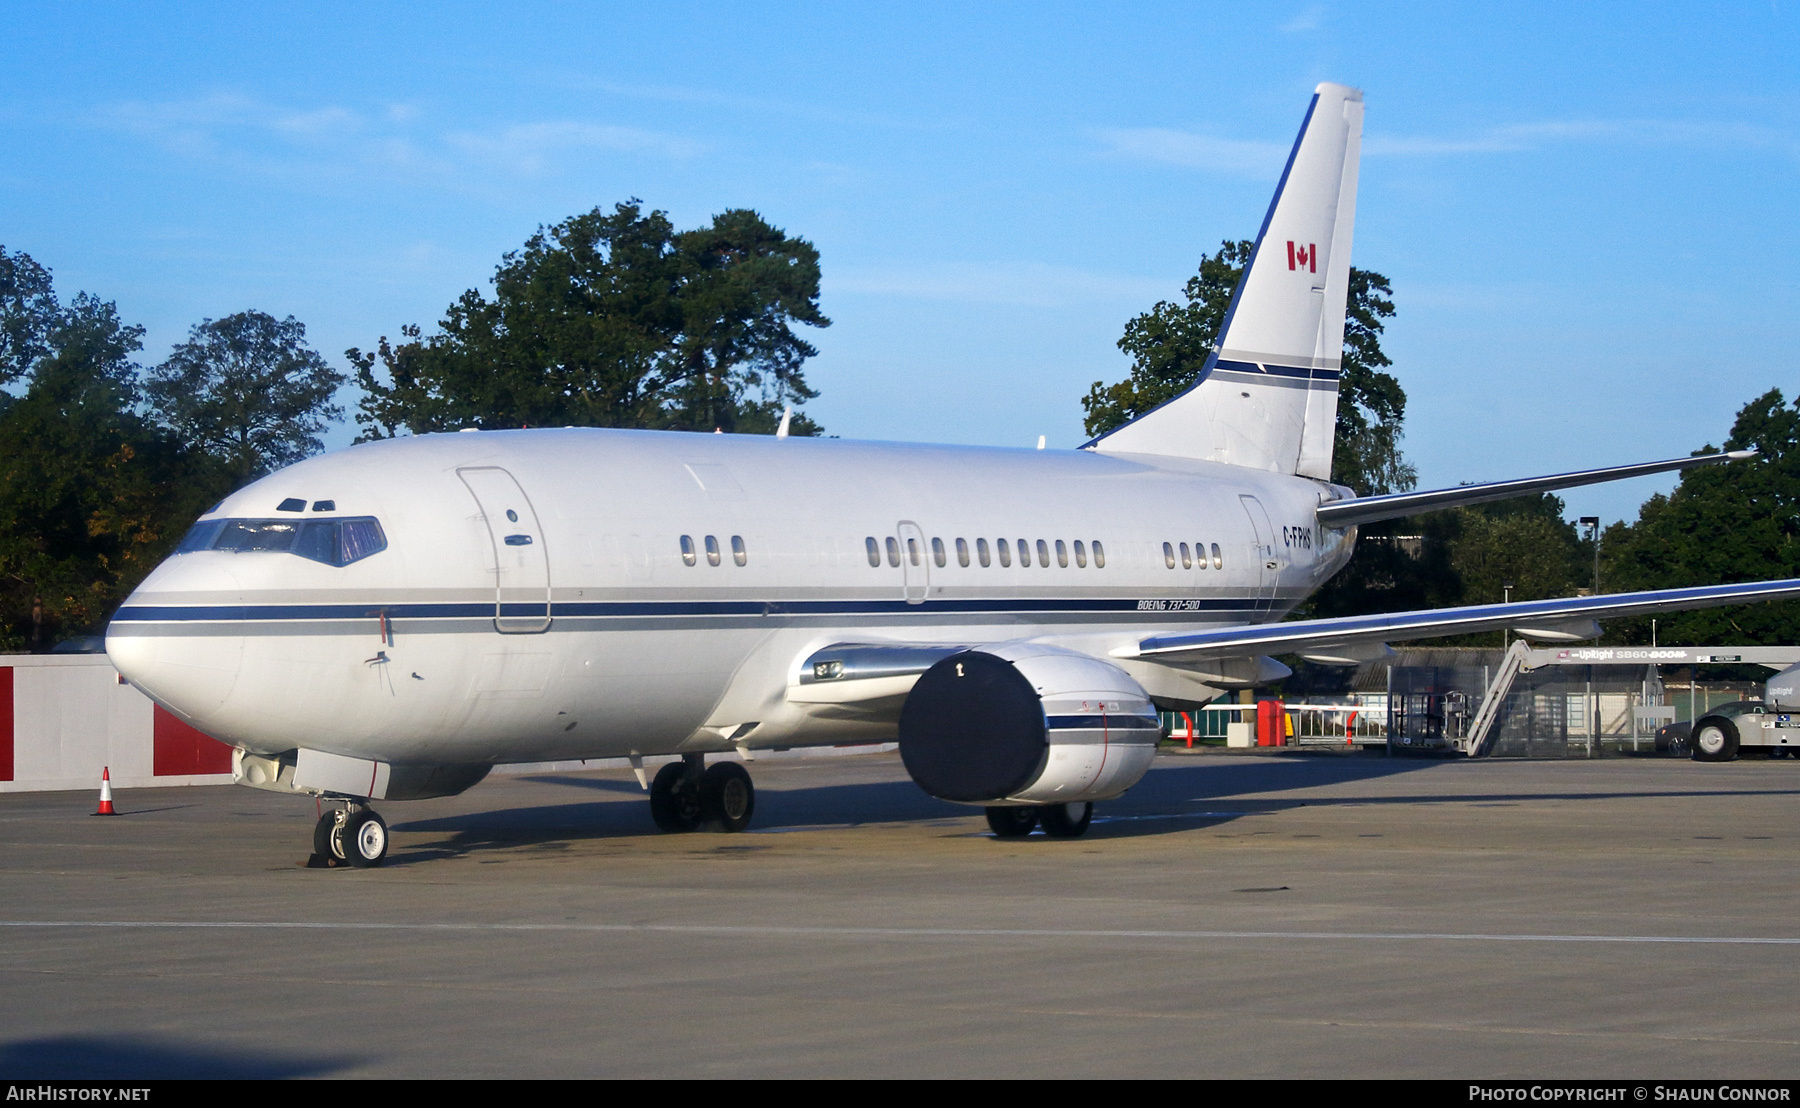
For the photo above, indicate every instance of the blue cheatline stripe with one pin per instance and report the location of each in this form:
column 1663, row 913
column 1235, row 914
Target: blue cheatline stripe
column 1271, row 370
column 234, row 613
column 1095, row 723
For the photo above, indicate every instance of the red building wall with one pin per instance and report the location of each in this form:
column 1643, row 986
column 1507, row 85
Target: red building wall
column 6, row 723
column 179, row 750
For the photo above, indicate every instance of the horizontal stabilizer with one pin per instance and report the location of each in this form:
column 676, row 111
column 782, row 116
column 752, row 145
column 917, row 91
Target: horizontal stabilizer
column 1311, row 636
column 1368, row 509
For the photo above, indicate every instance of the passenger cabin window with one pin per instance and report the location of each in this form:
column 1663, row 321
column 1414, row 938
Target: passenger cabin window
column 912, row 551
column 893, row 548
column 1199, row 555
column 1024, row 553
column 1062, row 554
column 1005, row 553
column 962, row 552
column 712, row 551
column 687, row 550
column 335, row 542
column 1043, row 553
column 1218, row 561
column 937, row 553
column 738, row 553
column 874, row 549
column 1099, row 555
column 1186, row 561
column 1168, row 555
column 1080, row 555
column 981, row 552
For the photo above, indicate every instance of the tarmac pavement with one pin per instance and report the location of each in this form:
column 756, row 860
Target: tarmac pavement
column 1280, row 916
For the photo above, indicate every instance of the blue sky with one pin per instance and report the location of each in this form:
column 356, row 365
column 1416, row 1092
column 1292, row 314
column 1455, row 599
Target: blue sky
column 1588, row 212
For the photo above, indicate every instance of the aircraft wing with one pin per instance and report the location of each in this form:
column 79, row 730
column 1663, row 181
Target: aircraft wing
column 1368, row 509
column 1319, row 635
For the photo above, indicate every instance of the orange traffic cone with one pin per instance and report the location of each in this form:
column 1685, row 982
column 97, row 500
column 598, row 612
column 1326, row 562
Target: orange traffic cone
column 106, row 808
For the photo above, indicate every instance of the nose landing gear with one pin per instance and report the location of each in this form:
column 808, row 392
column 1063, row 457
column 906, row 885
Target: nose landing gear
column 354, row 835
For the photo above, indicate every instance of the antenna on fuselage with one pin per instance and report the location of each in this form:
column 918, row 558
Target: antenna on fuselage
column 787, row 415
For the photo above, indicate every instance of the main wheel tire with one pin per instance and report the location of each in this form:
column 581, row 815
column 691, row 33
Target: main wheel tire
column 325, row 843
column 363, row 839
column 1012, row 823
column 1715, row 739
column 674, row 801
column 1066, row 821
column 728, row 797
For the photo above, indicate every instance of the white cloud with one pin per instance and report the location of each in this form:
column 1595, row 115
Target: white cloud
column 1520, row 137
column 531, row 147
column 1262, row 160
column 257, row 136
column 1308, row 20
column 1035, row 284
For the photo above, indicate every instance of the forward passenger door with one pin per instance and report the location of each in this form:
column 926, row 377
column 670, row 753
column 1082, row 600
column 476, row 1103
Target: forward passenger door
column 521, row 561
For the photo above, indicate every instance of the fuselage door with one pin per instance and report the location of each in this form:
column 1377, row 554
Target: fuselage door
column 915, row 563
column 521, row 562
column 1268, row 564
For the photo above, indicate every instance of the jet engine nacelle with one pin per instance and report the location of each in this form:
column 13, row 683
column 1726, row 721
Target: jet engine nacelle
column 1021, row 723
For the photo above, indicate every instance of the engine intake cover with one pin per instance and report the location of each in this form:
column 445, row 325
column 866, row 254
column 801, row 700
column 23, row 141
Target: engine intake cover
column 1026, row 724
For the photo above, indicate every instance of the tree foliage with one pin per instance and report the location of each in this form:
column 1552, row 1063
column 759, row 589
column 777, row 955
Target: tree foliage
column 1725, row 523
column 29, row 314
column 613, row 319
column 248, row 392
column 92, row 495
column 1169, row 345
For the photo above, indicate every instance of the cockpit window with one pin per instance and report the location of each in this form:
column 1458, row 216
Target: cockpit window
column 336, row 542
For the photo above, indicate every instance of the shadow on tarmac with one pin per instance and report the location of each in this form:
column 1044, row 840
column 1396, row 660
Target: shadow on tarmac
column 1177, row 795
column 1171, row 798
column 118, row 1058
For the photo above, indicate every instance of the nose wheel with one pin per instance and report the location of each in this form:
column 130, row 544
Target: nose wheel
column 353, row 835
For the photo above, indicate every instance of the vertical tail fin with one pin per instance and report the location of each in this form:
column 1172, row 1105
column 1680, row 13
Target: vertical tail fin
column 1267, row 396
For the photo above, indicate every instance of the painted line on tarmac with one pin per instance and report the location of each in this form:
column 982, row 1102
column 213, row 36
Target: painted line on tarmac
column 750, row 930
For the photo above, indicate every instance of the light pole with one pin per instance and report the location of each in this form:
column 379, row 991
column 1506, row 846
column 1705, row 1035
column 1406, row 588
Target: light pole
column 1506, row 598
column 1592, row 523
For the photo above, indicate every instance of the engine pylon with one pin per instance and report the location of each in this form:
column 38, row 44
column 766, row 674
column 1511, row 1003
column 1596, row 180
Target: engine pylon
column 106, row 804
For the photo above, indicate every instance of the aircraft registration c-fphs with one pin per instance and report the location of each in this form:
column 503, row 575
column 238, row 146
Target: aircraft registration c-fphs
column 389, row 621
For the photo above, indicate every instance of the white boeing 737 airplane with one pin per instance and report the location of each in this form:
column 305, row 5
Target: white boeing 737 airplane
column 389, row 621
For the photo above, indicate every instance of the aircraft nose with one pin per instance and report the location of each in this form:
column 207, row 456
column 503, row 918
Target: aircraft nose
column 190, row 675
column 188, row 665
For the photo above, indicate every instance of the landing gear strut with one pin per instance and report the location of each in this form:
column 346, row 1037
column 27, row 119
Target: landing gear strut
column 687, row 795
column 353, row 835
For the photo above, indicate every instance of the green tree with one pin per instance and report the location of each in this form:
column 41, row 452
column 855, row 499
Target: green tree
column 613, row 319
column 92, row 495
column 1460, row 556
column 246, row 391
column 29, row 314
column 1722, row 524
column 1169, row 345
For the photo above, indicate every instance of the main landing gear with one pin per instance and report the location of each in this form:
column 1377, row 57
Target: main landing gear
column 1059, row 821
column 353, row 835
column 688, row 795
